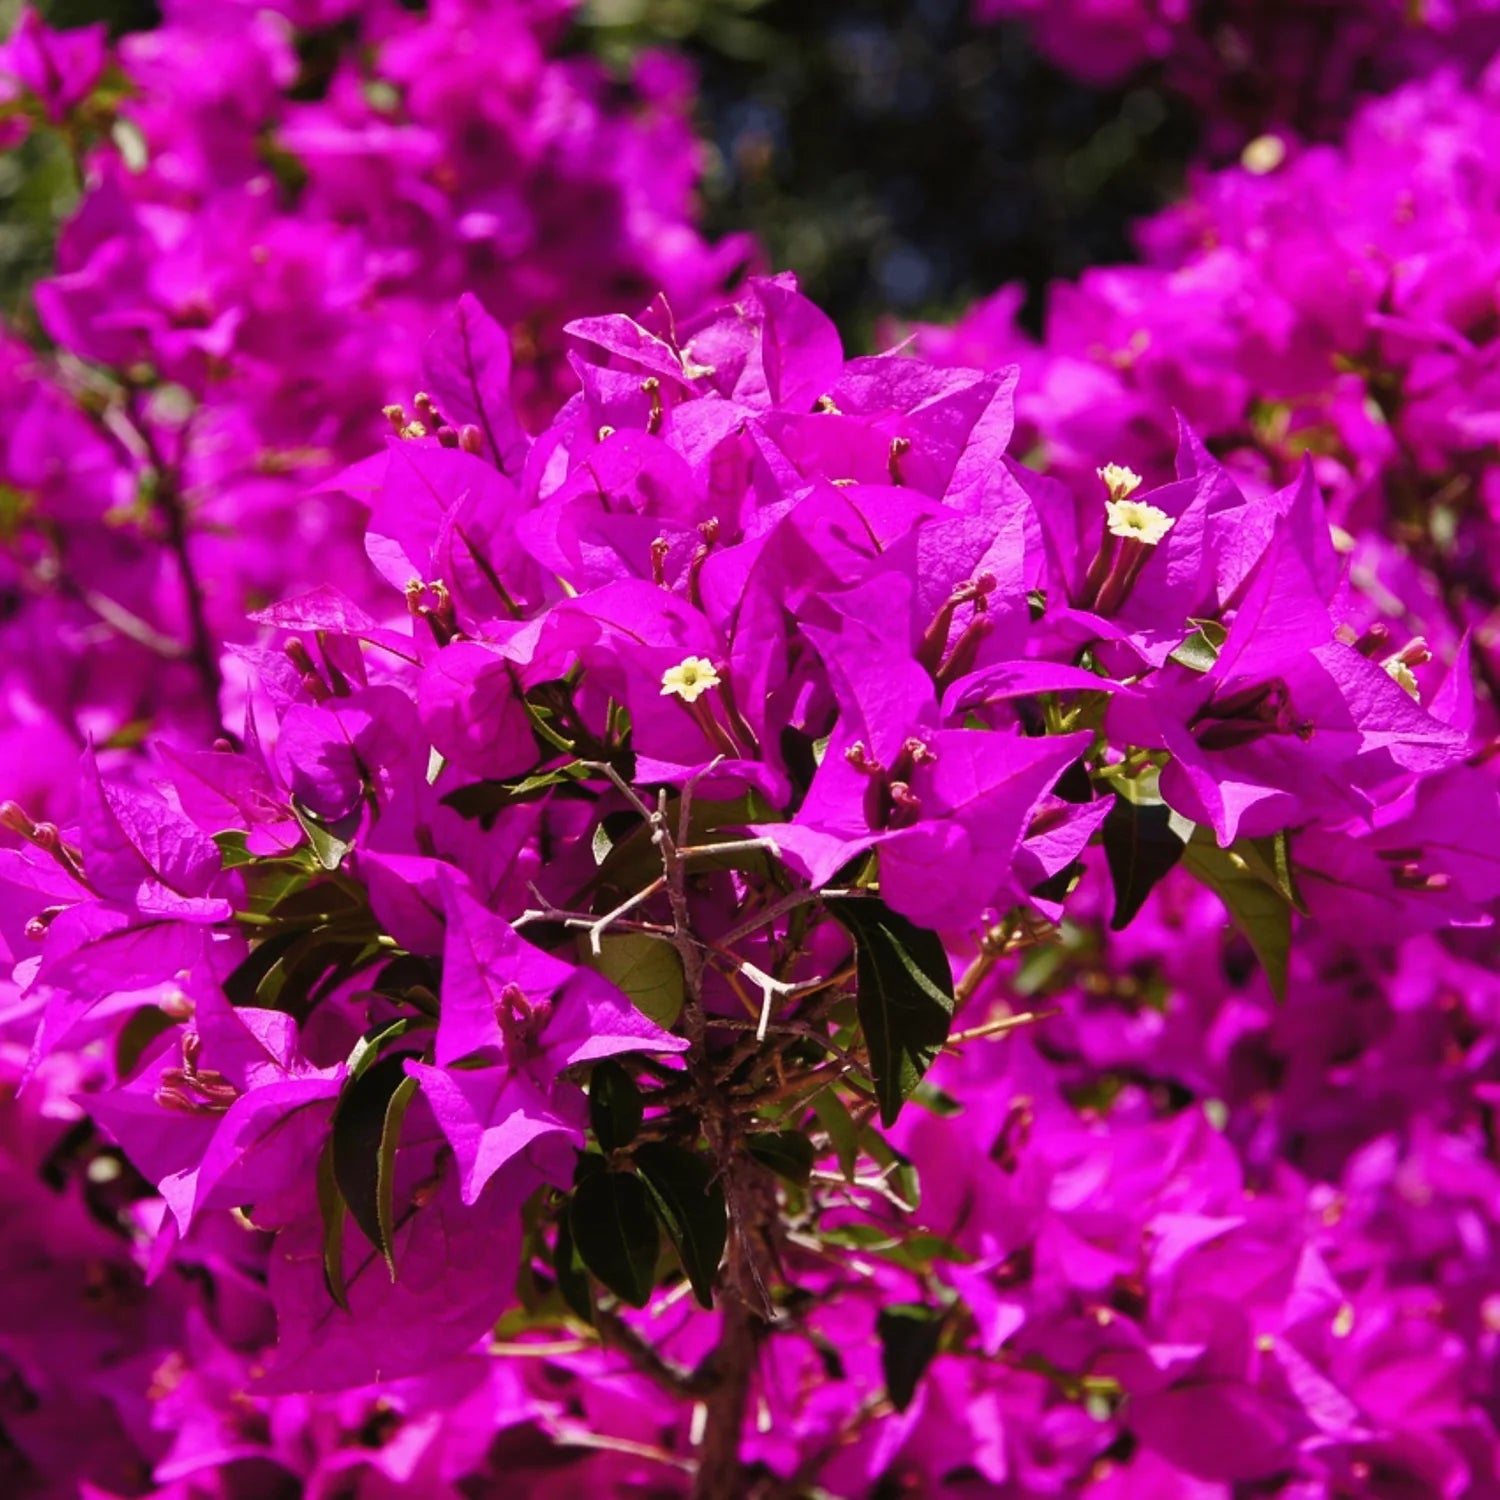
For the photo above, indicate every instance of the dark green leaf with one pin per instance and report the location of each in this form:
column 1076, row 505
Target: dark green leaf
column 788, row 1153
column 909, row 1337
column 1270, row 858
column 483, row 801
column 1257, row 908
column 332, row 1209
column 691, row 1204
column 480, row 802
column 905, row 996
column 614, row 1105
column 567, row 1267
column 366, row 1129
column 614, row 1230
column 587, row 1164
column 1141, row 844
column 243, row 985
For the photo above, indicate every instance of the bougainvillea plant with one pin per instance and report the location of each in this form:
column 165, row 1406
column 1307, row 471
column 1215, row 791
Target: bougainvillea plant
column 278, row 202
column 587, row 945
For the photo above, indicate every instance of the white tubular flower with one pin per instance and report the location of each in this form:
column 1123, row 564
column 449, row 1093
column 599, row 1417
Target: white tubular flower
column 1121, row 482
column 689, row 679
column 1403, row 676
column 1137, row 521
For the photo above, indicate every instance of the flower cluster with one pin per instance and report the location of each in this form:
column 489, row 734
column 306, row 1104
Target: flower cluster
column 1254, row 65
column 536, row 989
column 1335, row 304
column 279, row 204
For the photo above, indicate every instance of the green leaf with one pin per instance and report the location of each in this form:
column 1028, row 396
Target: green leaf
column 788, row 1153
column 833, row 1115
column 366, row 1130
column 329, row 848
column 269, row 882
column 1256, row 907
column 690, row 1201
column 647, row 968
column 332, row 1209
column 367, row 1048
column 897, row 1168
column 909, row 1337
column 483, row 801
column 567, row 1267
column 615, row 1106
column 905, row 996
column 614, row 1230
column 243, row 985
column 234, row 848
column 937, row 1101
column 1270, row 858
column 1200, row 651
column 1141, row 845
column 897, row 1247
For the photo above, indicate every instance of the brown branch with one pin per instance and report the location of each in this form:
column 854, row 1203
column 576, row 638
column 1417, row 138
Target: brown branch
column 202, row 650
column 744, row 1302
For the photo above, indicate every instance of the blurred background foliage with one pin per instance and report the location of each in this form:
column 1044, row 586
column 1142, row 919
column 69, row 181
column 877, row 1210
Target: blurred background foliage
column 899, row 158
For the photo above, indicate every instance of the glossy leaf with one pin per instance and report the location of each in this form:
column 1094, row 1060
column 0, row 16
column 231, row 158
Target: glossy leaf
column 366, row 1129
column 905, row 997
column 690, row 1201
column 1260, row 911
column 567, row 1267
column 909, row 1337
column 1142, row 845
column 788, row 1153
column 614, row 1229
column 615, row 1105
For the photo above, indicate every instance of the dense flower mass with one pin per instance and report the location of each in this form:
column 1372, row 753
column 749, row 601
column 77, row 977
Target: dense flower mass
column 280, row 204
column 760, row 709
column 1331, row 303
column 621, row 902
column 1253, row 65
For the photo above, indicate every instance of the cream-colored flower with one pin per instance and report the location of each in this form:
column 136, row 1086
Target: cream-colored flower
column 1264, row 154
column 689, row 679
column 1121, row 482
column 1137, row 521
column 1403, row 676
